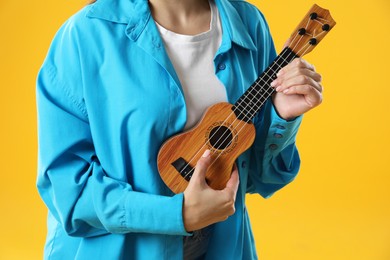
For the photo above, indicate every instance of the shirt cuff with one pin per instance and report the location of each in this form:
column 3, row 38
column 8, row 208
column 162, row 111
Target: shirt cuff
column 156, row 214
column 281, row 132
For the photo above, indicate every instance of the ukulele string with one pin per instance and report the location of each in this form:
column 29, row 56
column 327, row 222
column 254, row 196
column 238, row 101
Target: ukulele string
column 322, row 19
column 226, row 131
column 247, row 104
column 307, row 25
column 255, row 108
column 296, row 44
column 219, row 127
column 307, row 46
column 230, row 124
column 254, row 96
column 243, row 125
column 318, row 21
column 308, row 22
column 257, row 84
column 304, row 52
column 275, row 62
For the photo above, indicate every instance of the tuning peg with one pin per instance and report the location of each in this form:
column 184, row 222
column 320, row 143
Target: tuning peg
column 302, row 31
column 313, row 41
column 326, row 27
column 313, row 16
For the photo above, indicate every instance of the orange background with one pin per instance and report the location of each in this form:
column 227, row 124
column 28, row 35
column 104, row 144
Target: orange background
column 337, row 208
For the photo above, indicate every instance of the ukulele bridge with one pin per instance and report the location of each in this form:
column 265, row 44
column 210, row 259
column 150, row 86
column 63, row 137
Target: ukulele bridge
column 184, row 168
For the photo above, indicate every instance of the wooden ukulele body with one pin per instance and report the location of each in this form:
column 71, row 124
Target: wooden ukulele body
column 219, row 131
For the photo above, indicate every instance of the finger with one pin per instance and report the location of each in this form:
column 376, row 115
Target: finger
column 233, row 182
column 301, row 63
column 299, row 69
column 296, row 63
column 298, row 81
column 296, row 72
column 287, row 43
column 313, row 97
column 297, row 77
column 199, row 175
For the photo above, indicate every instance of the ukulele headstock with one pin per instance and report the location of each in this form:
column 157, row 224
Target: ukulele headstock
column 312, row 29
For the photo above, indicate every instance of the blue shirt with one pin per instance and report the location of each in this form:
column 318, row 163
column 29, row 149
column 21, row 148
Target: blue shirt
column 108, row 97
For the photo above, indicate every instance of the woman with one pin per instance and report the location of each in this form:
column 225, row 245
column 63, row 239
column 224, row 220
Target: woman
column 119, row 79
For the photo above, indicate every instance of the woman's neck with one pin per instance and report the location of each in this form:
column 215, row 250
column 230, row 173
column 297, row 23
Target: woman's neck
column 182, row 16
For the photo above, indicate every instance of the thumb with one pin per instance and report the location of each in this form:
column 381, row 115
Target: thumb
column 199, row 176
column 234, row 180
column 287, row 43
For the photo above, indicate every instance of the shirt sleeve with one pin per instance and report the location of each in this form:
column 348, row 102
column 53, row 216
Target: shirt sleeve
column 274, row 159
column 79, row 193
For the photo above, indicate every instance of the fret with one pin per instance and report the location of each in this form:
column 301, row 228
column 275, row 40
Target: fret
column 250, row 103
column 227, row 133
column 267, row 78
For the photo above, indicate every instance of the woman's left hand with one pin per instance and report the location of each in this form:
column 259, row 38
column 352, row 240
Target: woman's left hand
column 298, row 89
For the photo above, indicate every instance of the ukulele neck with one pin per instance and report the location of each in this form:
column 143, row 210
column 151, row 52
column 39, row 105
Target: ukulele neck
column 309, row 32
column 250, row 103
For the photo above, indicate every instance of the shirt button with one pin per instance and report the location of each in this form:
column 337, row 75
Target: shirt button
column 273, row 146
column 276, row 135
column 222, row 66
column 243, row 164
column 131, row 29
column 280, row 127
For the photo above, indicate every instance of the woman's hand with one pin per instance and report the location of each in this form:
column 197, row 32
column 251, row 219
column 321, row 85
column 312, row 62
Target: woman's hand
column 298, row 89
column 204, row 206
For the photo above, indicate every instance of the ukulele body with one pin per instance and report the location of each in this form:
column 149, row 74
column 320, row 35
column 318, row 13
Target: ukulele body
column 219, row 131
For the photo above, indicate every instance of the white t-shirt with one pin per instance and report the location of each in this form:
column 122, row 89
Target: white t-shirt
column 193, row 59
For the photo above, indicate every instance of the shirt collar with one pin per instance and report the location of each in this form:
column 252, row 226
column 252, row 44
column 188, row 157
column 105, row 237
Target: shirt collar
column 136, row 14
column 233, row 26
column 114, row 11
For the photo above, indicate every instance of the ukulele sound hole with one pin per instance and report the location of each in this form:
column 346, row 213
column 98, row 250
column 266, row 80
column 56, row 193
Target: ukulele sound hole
column 220, row 137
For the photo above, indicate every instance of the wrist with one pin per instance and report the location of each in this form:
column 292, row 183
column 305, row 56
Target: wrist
column 188, row 216
column 283, row 114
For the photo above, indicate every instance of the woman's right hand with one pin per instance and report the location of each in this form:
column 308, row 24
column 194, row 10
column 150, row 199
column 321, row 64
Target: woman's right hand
column 204, row 206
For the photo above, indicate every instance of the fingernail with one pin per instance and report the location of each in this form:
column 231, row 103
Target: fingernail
column 206, row 153
column 279, row 73
column 285, row 91
column 278, row 88
column 273, row 83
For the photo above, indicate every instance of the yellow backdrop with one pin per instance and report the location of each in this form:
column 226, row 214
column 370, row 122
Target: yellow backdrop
column 337, row 208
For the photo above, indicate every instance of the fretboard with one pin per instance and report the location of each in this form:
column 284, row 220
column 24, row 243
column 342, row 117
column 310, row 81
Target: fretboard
column 250, row 103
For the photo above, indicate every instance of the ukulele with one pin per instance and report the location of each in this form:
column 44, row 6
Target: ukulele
column 227, row 130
